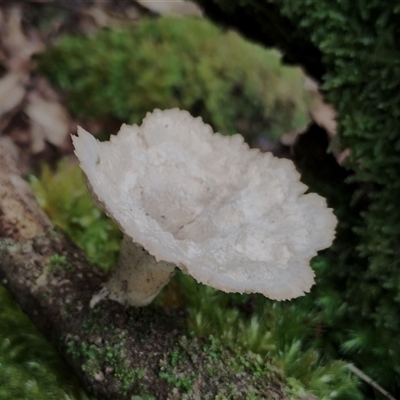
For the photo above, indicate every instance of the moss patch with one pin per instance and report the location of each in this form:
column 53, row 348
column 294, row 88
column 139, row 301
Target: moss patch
column 234, row 85
column 194, row 364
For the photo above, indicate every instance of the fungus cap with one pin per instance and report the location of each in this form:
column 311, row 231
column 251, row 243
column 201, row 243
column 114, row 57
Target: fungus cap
column 233, row 218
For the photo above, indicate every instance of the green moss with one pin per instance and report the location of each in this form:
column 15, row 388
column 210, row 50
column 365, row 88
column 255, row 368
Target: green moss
column 360, row 48
column 95, row 359
column 65, row 199
column 58, row 264
column 285, row 333
column 58, row 260
column 162, row 63
column 353, row 48
column 29, row 365
column 218, row 362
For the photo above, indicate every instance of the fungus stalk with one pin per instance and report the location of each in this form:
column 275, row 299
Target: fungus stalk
column 232, row 217
column 138, row 277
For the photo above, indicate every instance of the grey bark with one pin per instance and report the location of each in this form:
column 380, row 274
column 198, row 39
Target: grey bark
column 117, row 352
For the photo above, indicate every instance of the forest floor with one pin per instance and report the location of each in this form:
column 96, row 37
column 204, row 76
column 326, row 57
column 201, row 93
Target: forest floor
column 33, row 113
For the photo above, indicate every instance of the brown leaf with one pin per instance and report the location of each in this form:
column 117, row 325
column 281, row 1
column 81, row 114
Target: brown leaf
column 18, row 46
column 322, row 113
column 12, row 90
column 177, row 7
column 49, row 122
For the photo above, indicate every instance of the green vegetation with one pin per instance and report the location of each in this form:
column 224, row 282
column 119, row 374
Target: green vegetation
column 234, row 85
column 191, row 364
column 353, row 47
column 361, row 55
column 251, row 323
column 272, row 331
column 283, row 332
column 29, row 366
column 65, row 199
column 96, row 358
column 353, row 311
column 182, row 368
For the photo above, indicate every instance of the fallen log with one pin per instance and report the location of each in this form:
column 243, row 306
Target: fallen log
column 117, row 352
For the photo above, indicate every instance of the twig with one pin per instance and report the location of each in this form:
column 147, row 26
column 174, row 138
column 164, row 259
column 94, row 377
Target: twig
column 369, row 380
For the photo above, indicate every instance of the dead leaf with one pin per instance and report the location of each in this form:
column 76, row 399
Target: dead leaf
column 45, row 90
column 176, row 7
column 13, row 38
column 103, row 17
column 288, row 139
column 18, row 46
column 49, row 122
column 322, row 113
column 12, row 90
column 325, row 116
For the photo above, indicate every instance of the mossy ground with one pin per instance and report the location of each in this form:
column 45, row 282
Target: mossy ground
column 193, row 367
column 29, row 365
column 353, row 49
column 234, row 85
column 281, row 336
column 94, row 358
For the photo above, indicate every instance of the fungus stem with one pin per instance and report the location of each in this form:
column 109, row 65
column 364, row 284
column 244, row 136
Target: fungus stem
column 138, row 277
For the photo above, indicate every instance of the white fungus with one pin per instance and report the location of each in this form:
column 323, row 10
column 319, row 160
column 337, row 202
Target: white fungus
column 234, row 218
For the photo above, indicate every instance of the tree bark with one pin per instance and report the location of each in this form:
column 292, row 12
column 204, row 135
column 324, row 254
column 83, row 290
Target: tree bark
column 117, row 352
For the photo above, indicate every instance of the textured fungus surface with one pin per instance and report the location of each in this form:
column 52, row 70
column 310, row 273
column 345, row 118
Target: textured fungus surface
column 235, row 219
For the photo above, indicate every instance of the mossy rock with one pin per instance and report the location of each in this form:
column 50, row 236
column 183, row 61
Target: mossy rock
column 234, row 85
